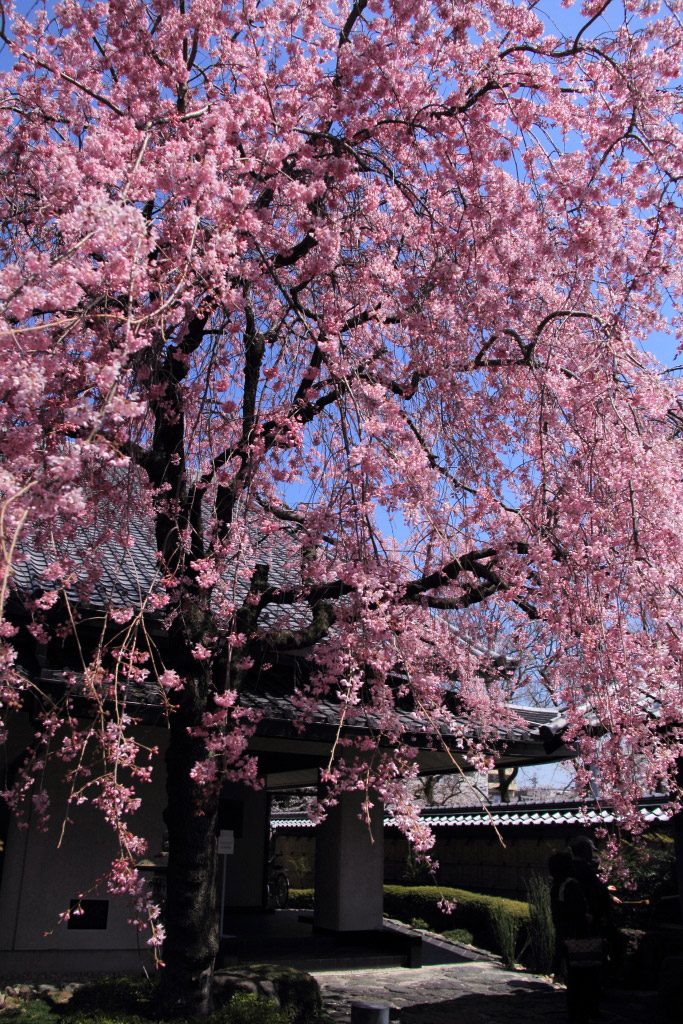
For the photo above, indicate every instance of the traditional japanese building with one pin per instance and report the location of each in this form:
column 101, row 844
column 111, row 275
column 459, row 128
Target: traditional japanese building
column 46, row 870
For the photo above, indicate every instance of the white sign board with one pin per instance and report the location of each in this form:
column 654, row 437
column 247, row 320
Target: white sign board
column 226, row 842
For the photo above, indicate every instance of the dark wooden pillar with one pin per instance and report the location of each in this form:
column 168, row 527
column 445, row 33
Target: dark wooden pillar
column 677, row 825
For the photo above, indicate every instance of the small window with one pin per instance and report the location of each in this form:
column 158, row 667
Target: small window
column 93, row 917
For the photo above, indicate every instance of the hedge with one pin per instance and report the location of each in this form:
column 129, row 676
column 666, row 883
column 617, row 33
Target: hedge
column 301, row 899
column 472, row 911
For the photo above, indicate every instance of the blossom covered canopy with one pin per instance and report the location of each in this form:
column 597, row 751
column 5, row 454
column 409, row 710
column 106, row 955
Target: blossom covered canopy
column 373, row 280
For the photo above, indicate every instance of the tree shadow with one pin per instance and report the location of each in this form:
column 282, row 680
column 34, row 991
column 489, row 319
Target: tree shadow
column 531, row 1002
column 528, row 1001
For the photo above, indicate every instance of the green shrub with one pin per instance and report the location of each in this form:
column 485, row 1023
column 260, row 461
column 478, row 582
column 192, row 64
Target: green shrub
column 297, row 991
column 541, row 930
column 36, row 1011
column 413, row 903
column 416, row 871
column 473, row 911
column 245, row 1008
column 117, row 995
column 128, row 1000
column 652, row 865
column 506, row 930
column 103, row 1016
column 301, row 899
column 459, row 935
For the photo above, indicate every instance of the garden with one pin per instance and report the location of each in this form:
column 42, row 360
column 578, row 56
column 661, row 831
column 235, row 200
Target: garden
column 255, row 995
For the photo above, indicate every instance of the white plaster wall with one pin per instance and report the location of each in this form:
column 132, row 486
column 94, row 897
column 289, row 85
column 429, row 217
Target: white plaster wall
column 42, row 874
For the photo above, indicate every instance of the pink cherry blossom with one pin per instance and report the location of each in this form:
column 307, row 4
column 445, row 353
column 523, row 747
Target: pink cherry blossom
column 324, row 329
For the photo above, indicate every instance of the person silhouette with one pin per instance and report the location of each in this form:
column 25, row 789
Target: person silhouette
column 578, row 957
column 601, row 900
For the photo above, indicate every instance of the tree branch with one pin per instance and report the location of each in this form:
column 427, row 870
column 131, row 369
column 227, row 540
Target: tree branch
column 300, row 250
column 356, row 11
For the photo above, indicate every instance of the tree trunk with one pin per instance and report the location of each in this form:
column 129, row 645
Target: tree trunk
column 505, row 780
column 191, row 911
column 677, row 825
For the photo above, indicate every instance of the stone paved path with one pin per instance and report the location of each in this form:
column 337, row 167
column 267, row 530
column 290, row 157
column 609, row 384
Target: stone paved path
column 472, row 993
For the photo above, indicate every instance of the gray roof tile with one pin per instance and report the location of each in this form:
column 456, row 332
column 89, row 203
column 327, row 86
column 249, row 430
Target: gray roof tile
column 493, row 814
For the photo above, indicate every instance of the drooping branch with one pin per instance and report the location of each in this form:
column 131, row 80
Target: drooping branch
column 287, row 515
column 322, row 620
column 418, row 590
column 568, row 314
column 470, row 562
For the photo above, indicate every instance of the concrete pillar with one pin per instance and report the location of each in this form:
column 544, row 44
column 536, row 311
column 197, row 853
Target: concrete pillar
column 244, row 819
column 364, row 1012
column 349, row 867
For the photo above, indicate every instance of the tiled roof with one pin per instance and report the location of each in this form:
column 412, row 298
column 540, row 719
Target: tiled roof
column 276, row 704
column 653, row 812
column 127, row 569
column 125, row 572
column 538, row 716
column 280, row 715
